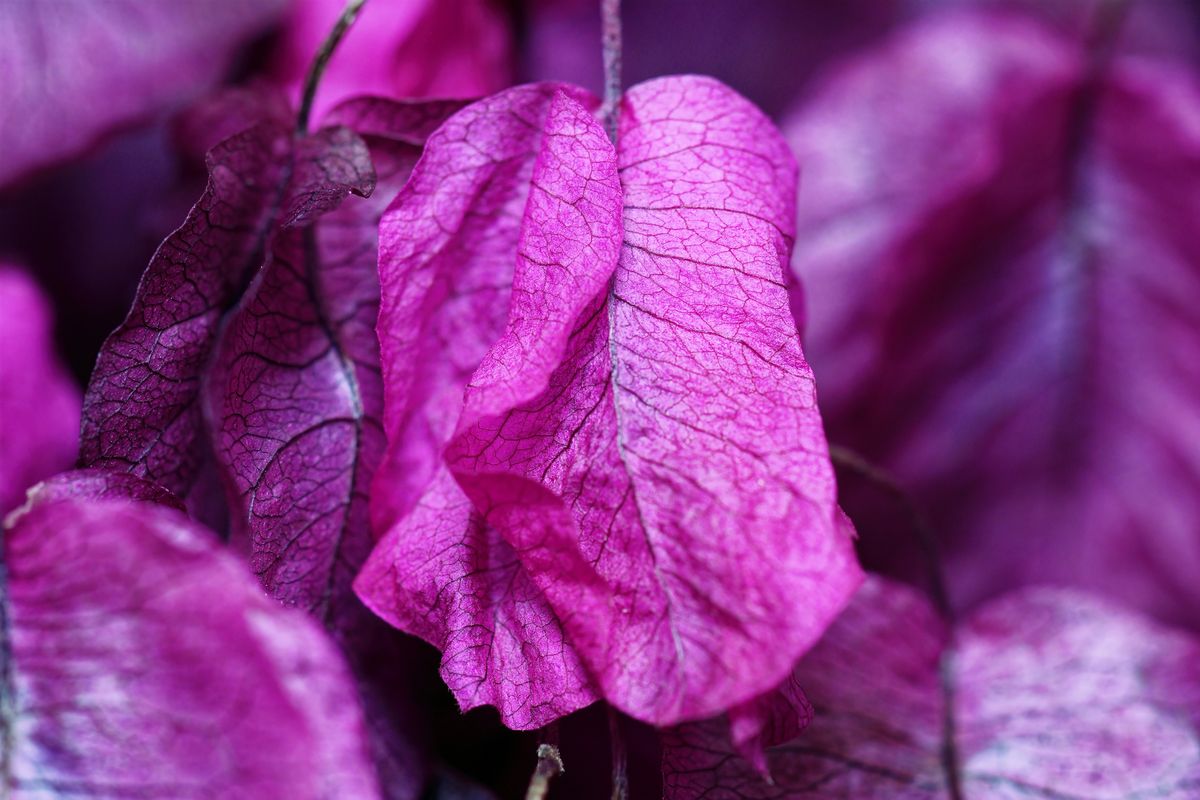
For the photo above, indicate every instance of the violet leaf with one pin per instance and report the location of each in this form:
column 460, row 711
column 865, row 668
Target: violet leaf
column 1047, row 693
column 293, row 392
column 71, row 73
column 97, row 484
column 141, row 411
column 998, row 248
column 250, row 356
column 141, row 659
column 39, row 403
column 293, row 397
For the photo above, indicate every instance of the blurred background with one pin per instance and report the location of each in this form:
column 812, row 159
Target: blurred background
column 944, row 145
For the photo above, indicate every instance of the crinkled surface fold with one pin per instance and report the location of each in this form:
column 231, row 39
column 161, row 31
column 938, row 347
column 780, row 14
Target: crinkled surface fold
column 647, row 488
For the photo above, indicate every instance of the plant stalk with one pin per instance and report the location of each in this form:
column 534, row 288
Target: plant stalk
column 321, row 60
column 610, row 16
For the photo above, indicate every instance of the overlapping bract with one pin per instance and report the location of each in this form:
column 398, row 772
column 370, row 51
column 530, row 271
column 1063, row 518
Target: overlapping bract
column 140, row 659
column 249, row 361
column 142, row 411
column 999, row 253
column 606, row 472
column 1054, row 694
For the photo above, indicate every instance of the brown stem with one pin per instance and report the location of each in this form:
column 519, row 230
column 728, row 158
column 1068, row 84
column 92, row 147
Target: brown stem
column 620, row 771
column 610, row 12
column 549, row 765
column 324, row 53
column 926, row 539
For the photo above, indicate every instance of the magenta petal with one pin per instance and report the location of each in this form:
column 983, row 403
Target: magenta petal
column 1002, row 293
column 447, row 252
column 145, row 661
column 443, row 574
column 75, row 70
column 767, row 720
column 667, row 486
column 39, row 403
column 674, row 508
column 446, row 257
column 1055, row 695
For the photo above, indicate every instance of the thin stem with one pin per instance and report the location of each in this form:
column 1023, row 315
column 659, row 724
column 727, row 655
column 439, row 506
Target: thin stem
column 926, row 539
column 549, row 765
column 620, row 771
column 324, row 53
column 948, row 750
column 610, row 13
column 8, row 714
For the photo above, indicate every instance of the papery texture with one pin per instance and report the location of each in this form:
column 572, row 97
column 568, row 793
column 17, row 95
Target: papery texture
column 74, row 70
column 655, row 455
column 1055, row 694
column 141, row 660
column 641, row 444
column 96, row 484
column 1001, row 269
column 141, row 410
column 447, row 252
column 249, row 361
column 399, row 49
column 39, row 403
column 293, row 391
column 293, row 396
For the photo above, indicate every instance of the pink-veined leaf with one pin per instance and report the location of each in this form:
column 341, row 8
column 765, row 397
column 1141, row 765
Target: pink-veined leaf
column 643, row 437
column 75, row 70
column 1055, row 694
column 998, row 249
column 39, row 403
column 140, row 659
column 447, row 253
column 97, row 484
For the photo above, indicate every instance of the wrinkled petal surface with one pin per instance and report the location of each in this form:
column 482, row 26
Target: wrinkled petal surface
column 666, row 484
column 39, row 403
column 642, row 435
column 96, row 484
column 1000, row 263
column 146, row 661
column 74, row 70
column 447, row 253
column 1055, row 694
column 294, row 399
column 141, row 411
